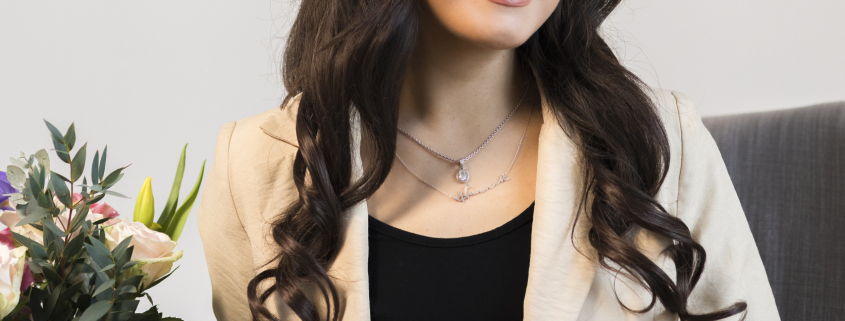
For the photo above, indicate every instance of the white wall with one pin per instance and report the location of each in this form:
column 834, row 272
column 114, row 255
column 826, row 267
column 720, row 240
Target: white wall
column 147, row 77
column 734, row 56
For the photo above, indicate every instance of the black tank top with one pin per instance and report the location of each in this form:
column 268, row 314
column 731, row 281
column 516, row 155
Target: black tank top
column 478, row 277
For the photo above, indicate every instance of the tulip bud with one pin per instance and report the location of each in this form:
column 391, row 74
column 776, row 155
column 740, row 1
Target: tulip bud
column 145, row 204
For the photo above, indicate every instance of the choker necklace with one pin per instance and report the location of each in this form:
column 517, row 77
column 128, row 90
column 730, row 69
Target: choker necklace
column 463, row 175
column 465, row 194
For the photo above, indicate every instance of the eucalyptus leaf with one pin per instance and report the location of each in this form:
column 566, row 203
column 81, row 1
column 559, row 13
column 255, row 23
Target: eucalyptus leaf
column 57, row 135
column 60, row 189
column 78, row 164
column 54, row 297
column 116, row 194
column 102, row 166
column 96, row 311
column 19, row 162
column 53, row 228
column 79, row 218
column 95, row 199
column 113, row 177
column 39, row 214
column 34, row 267
column 70, row 291
column 61, row 150
column 70, row 136
column 74, row 247
column 105, row 286
column 43, row 158
column 121, row 247
column 62, row 177
column 52, row 276
column 16, row 176
column 106, row 268
column 95, row 171
column 25, row 241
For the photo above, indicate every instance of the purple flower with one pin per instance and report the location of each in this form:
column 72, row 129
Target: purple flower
column 5, row 188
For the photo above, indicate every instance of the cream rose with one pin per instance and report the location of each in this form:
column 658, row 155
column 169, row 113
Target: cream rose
column 10, row 219
column 153, row 250
column 11, row 273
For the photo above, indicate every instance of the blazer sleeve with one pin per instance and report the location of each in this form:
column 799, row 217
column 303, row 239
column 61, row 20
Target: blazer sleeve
column 225, row 241
column 708, row 204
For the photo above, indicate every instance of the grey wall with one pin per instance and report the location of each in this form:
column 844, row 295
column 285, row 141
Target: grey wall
column 147, row 77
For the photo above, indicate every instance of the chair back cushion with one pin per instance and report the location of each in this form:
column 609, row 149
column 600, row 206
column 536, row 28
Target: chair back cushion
column 788, row 168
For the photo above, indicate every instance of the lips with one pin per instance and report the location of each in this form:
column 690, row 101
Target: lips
column 512, row 3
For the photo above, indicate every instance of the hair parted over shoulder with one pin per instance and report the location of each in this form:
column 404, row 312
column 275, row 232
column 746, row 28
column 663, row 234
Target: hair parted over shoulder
column 345, row 54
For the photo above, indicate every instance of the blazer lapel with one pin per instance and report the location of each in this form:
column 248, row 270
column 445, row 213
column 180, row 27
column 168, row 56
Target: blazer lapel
column 559, row 275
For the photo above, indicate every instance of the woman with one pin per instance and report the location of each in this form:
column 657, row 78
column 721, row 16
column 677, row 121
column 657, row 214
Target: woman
column 473, row 160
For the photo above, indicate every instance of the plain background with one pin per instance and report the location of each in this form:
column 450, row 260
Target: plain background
column 146, row 77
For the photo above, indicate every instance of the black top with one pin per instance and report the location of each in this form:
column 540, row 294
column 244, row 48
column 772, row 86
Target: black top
column 477, row 277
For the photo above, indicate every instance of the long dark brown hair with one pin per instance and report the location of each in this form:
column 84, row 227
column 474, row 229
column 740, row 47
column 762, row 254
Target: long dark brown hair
column 353, row 54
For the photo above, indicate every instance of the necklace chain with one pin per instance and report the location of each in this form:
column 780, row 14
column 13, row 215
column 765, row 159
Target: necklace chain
column 465, row 194
column 463, row 160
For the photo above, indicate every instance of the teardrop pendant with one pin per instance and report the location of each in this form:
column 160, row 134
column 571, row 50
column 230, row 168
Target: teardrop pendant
column 463, row 175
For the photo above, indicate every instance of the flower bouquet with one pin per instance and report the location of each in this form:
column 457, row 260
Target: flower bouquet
column 67, row 255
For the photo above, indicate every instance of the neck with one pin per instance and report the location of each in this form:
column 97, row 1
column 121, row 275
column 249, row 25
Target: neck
column 452, row 83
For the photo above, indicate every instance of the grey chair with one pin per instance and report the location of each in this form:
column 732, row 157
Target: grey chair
column 788, row 168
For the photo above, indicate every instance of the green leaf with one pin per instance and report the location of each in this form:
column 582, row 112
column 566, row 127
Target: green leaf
column 170, row 206
column 70, row 137
column 78, row 164
column 106, row 268
column 61, row 150
column 43, row 158
column 96, row 311
column 105, row 286
column 74, row 247
column 57, row 135
column 102, row 166
column 99, row 252
column 61, row 177
column 95, row 170
column 53, row 228
column 102, row 220
column 95, row 199
column 52, row 276
column 116, row 194
column 126, row 289
column 70, row 291
column 121, row 247
column 81, row 215
column 177, row 223
column 34, row 267
column 54, row 297
column 60, row 189
column 126, row 266
column 39, row 214
column 113, row 177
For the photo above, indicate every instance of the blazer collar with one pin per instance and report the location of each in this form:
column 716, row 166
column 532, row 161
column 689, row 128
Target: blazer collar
column 281, row 124
column 559, row 275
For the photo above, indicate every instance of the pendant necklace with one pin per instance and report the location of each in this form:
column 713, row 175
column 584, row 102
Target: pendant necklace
column 463, row 175
column 465, row 194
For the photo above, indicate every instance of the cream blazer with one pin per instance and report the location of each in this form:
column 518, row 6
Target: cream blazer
column 250, row 183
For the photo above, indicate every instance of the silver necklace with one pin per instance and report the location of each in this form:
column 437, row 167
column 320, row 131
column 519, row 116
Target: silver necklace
column 465, row 194
column 463, row 175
